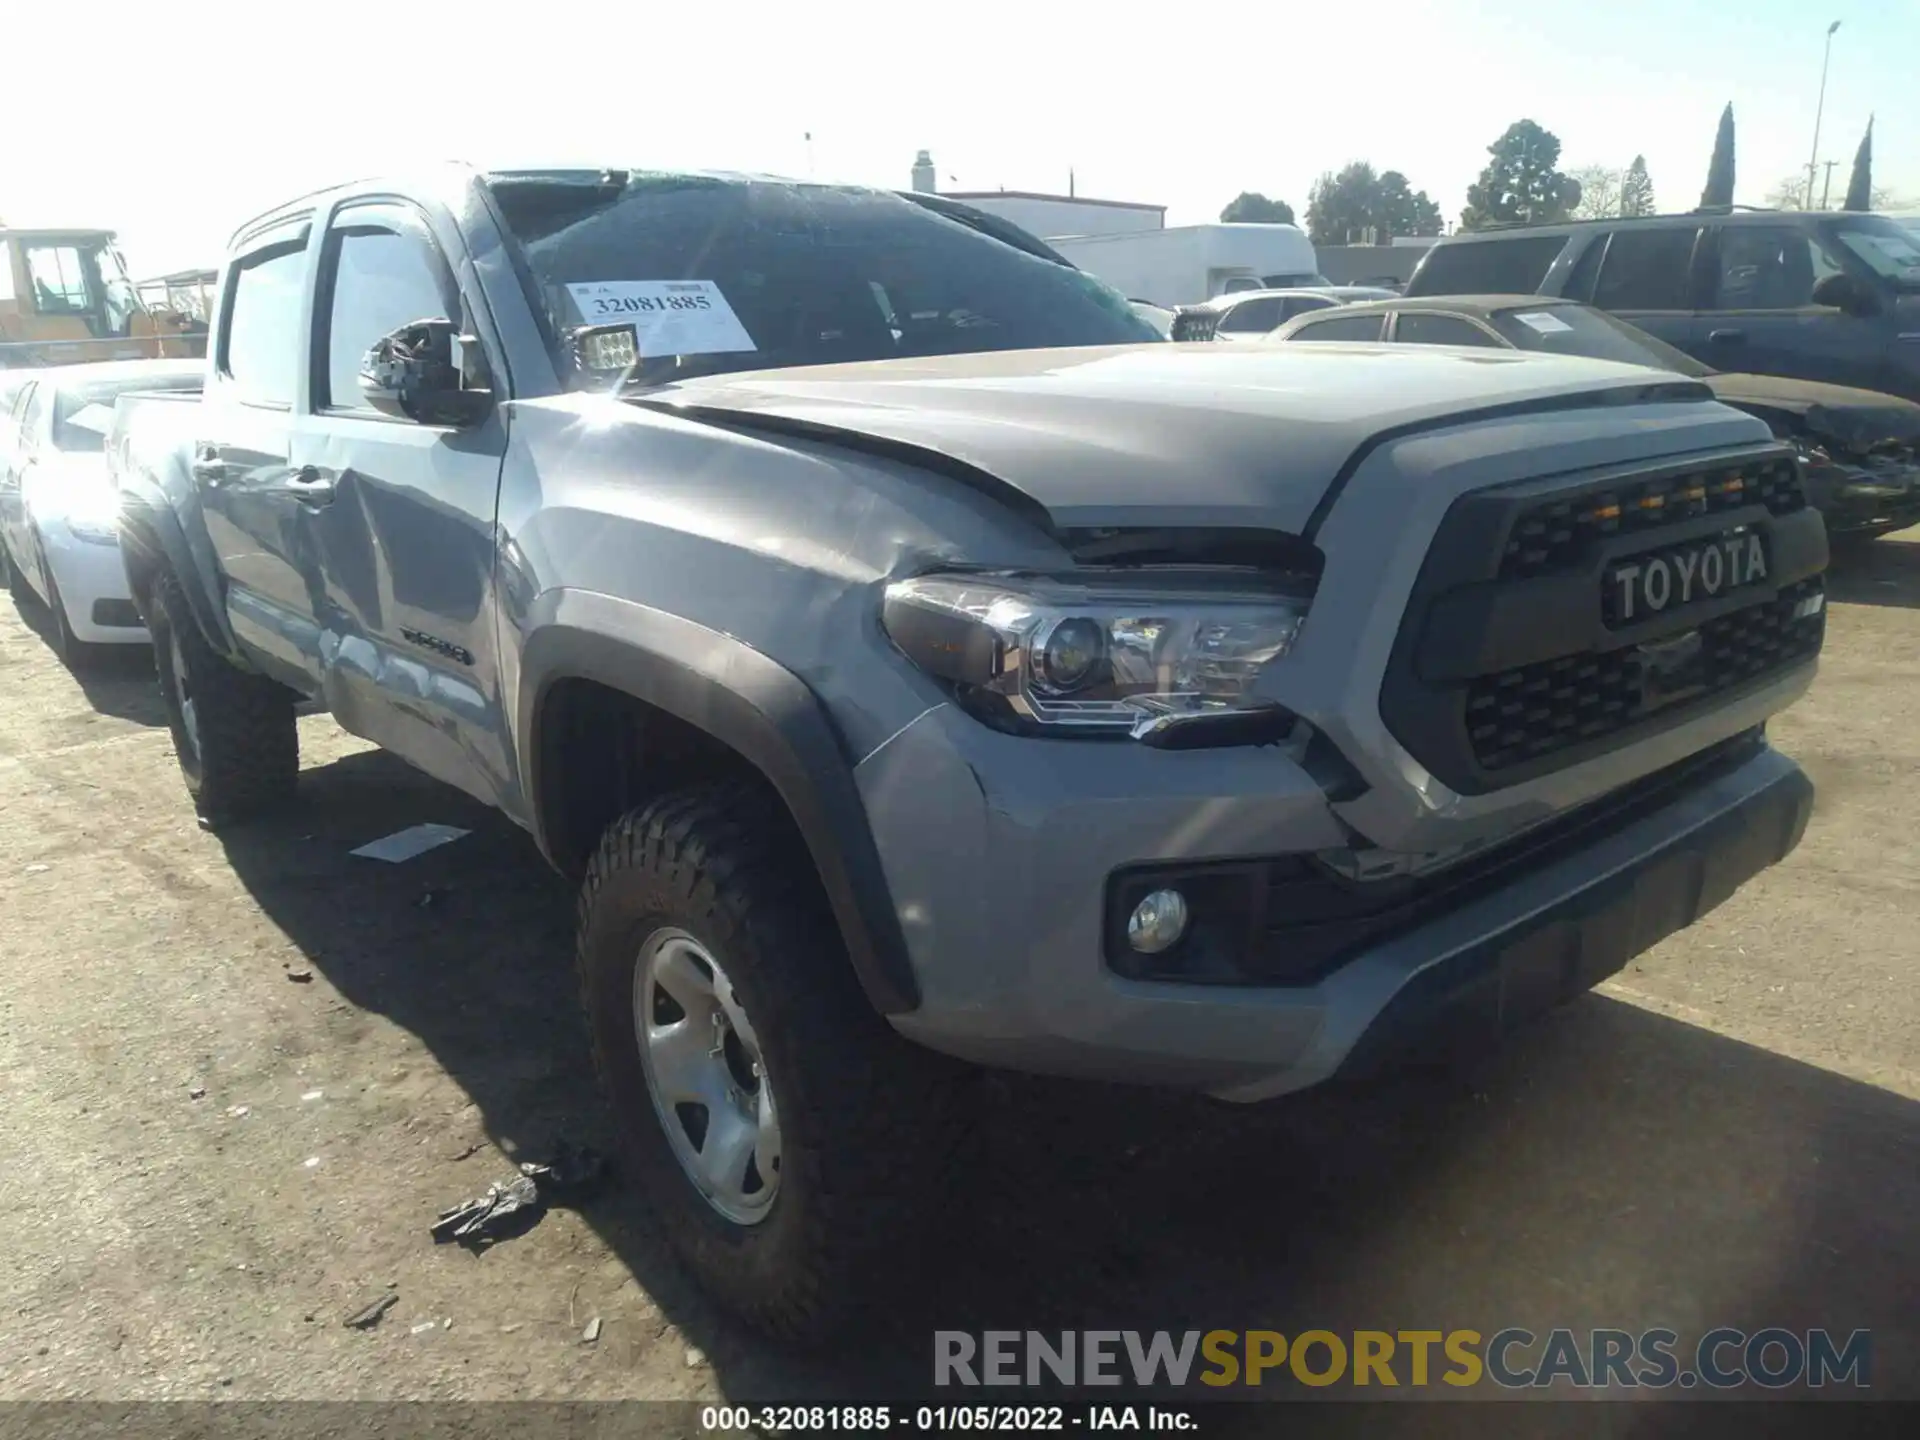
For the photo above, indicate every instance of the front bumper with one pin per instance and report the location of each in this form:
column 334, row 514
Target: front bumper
column 1877, row 498
column 1000, row 900
column 93, row 587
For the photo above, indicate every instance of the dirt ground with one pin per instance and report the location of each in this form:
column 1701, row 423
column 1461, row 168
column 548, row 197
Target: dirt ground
column 206, row 1162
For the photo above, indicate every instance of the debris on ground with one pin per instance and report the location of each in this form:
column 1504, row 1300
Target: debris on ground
column 300, row 976
column 592, row 1332
column 368, row 1315
column 423, row 1327
column 430, row 898
column 504, row 1211
column 196, row 1091
column 239, row 1112
column 695, row 1358
column 38, row 869
column 511, row 1207
column 466, row 1151
column 314, row 1095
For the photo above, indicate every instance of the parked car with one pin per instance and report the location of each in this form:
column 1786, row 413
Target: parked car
column 1158, row 316
column 59, row 541
column 800, row 566
column 1861, row 450
column 1255, row 314
column 1830, row 296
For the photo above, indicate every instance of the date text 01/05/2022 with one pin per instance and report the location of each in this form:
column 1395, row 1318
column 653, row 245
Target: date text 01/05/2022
column 767, row 1419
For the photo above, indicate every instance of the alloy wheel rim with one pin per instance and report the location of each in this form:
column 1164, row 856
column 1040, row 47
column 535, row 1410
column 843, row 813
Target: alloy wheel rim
column 706, row 1076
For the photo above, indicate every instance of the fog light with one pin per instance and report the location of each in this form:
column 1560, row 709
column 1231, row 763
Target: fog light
column 1157, row 922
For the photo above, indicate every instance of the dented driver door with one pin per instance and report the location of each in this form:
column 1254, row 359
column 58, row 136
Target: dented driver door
column 405, row 528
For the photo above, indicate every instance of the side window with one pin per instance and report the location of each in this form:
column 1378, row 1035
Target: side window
column 1439, row 330
column 13, row 423
column 1346, row 327
column 1507, row 266
column 1304, row 304
column 263, row 325
column 1585, row 270
column 1647, row 269
column 59, row 279
column 33, row 416
column 1251, row 317
column 1768, row 267
column 377, row 280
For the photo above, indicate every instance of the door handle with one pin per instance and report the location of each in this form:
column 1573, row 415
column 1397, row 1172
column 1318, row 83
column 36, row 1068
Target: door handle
column 310, row 486
column 1728, row 337
column 208, row 467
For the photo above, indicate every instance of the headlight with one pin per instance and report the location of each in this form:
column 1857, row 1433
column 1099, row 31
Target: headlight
column 93, row 513
column 1141, row 656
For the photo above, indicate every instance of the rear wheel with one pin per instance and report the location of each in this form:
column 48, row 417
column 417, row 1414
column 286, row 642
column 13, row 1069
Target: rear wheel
column 234, row 733
column 796, row 1149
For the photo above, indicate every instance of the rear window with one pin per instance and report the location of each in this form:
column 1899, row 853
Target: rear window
column 1509, row 266
column 1647, row 269
column 1342, row 327
column 722, row 274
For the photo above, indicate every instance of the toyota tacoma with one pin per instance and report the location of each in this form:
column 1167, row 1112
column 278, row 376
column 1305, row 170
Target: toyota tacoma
column 922, row 666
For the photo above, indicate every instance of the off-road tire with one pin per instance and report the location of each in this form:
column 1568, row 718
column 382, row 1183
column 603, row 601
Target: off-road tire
column 872, row 1127
column 247, row 758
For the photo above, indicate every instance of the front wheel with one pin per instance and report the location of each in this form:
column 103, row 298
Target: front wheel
column 234, row 733
column 796, row 1149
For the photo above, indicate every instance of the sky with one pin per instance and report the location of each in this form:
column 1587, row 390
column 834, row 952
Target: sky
column 210, row 111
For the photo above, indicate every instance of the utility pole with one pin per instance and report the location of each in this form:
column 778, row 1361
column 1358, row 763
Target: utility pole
column 1826, row 191
column 1819, row 110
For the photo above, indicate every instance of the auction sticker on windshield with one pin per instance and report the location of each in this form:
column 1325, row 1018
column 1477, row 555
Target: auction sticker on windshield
column 671, row 317
column 1544, row 322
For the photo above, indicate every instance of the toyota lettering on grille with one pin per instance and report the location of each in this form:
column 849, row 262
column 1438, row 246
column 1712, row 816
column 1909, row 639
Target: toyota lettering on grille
column 1648, row 585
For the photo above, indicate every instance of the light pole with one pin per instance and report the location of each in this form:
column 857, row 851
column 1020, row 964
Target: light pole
column 1818, row 110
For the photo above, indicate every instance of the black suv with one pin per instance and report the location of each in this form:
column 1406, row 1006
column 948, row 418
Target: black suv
column 1831, row 296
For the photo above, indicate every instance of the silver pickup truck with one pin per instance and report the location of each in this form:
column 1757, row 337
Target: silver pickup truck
column 923, row 666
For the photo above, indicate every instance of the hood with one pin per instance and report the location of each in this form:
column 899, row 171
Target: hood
column 1231, row 436
column 1838, row 414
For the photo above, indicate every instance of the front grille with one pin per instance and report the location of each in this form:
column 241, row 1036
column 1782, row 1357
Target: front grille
column 1532, row 711
column 1559, row 534
column 1194, row 324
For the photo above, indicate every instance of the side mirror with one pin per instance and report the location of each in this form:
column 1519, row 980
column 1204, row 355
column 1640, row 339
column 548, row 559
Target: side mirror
column 1847, row 292
column 413, row 374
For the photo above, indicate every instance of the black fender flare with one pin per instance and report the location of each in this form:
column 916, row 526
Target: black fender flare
column 152, row 537
column 757, row 708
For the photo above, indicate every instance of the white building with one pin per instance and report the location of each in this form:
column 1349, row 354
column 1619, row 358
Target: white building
column 1051, row 216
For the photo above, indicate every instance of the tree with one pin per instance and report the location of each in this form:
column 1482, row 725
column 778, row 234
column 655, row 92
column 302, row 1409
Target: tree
column 1520, row 182
column 1636, row 190
column 1719, row 191
column 1404, row 210
column 1790, row 193
column 1600, row 189
column 1345, row 208
column 1860, row 186
column 1251, row 207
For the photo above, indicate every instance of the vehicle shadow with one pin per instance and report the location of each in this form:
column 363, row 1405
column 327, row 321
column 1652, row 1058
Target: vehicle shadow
column 116, row 679
column 1612, row 1168
column 1877, row 572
